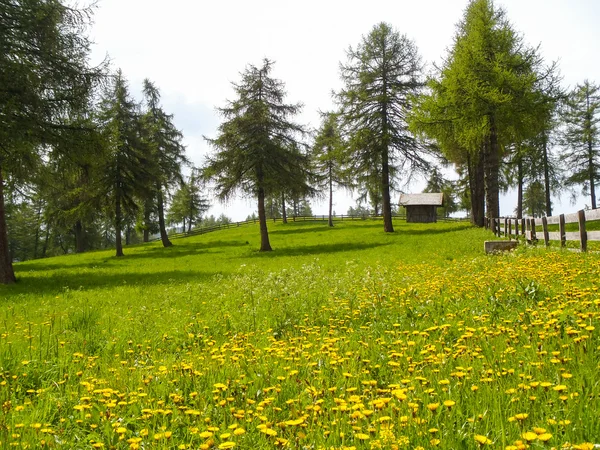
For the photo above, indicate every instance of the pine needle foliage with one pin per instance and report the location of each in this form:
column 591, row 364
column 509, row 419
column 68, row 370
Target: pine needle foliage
column 379, row 77
column 166, row 150
column 127, row 169
column 581, row 138
column 258, row 150
column 44, row 75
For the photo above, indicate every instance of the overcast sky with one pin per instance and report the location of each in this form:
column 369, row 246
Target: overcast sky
column 194, row 49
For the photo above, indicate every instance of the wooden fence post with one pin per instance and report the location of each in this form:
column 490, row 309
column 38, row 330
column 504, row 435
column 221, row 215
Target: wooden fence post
column 562, row 230
column 523, row 227
column 582, row 232
column 545, row 227
column 517, row 229
column 533, row 234
column 509, row 229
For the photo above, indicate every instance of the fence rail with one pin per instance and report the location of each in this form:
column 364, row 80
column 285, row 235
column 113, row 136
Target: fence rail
column 528, row 228
column 318, row 218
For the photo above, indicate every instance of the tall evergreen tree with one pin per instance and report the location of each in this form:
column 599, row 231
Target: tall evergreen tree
column 381, row 73
column 126, row 168
column 166, row 151
column 189, row 204
column 328, row 158
column 581, row 138
column 256, row 146
column 44, row 74
column 487, row 96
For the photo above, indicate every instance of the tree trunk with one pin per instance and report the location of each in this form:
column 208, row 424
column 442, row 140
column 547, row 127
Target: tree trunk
column 79, row 237
column 265, row 245
column 592, row 181
column 161, row 217
column 283, row 213
column 7, row 274
column 46, row 239
column 38, row 226
column 590, row 120
column 492, row 169
column 476, row 189
column 330, row 196
column 118, row 220
column 520, row 188
column 547, row 176
column 146, row 224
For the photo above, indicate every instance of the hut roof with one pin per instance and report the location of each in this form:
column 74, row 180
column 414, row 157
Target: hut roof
column 434, row 199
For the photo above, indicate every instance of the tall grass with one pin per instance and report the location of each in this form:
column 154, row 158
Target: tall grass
column 340, row 338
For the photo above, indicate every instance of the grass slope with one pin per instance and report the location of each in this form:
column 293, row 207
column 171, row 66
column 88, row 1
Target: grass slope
column 340, row 338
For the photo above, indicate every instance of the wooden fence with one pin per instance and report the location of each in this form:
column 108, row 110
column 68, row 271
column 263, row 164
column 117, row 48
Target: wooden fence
column 534, row 230
column 321, row 218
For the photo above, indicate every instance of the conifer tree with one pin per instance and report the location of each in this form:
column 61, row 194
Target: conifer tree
column 189, row 204
column 166, row 151
column 488, row 96
column 44, row 74
column 328, row 158
column 581, row 138
column 382, row 72
column 126, row 168
column 256, row 150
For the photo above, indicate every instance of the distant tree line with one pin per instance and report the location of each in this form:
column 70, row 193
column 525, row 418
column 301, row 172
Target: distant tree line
column 85, row 166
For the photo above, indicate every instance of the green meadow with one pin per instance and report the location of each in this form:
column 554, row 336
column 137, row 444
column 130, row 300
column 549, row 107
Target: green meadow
column 340, row 338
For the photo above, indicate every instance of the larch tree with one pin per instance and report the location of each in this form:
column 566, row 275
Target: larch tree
column 256, row 149
column 166, row 151
column 44, row 74
column 126, row 166
column 188, row 204
column 328, row 157
column 581, row 138
column 379, row 77
column 487, row 96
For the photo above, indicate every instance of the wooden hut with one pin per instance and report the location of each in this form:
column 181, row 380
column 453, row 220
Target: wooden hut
column 421, row 208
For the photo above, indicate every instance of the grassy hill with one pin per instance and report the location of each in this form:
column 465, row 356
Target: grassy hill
column 340, row 338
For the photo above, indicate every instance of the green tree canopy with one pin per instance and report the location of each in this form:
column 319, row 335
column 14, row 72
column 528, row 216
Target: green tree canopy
column 381, row 73
column 581, row 138
column 126, row 166
column 488, row 95
column 329, row 157
column 44, row 75
column 165, row 150
column 257, row 147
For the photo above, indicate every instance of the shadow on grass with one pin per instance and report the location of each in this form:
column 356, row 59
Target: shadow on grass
column 301, row 229
column 318, row 249
column 179, row 251
column 59, row 282
column 426, row 231
column 176, row 251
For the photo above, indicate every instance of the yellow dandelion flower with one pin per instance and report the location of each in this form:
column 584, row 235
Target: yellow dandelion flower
column 483, row 440
column 227, row 444
column 268, row 431
column 362, row 436
column 529, row 436
column 544, row 437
